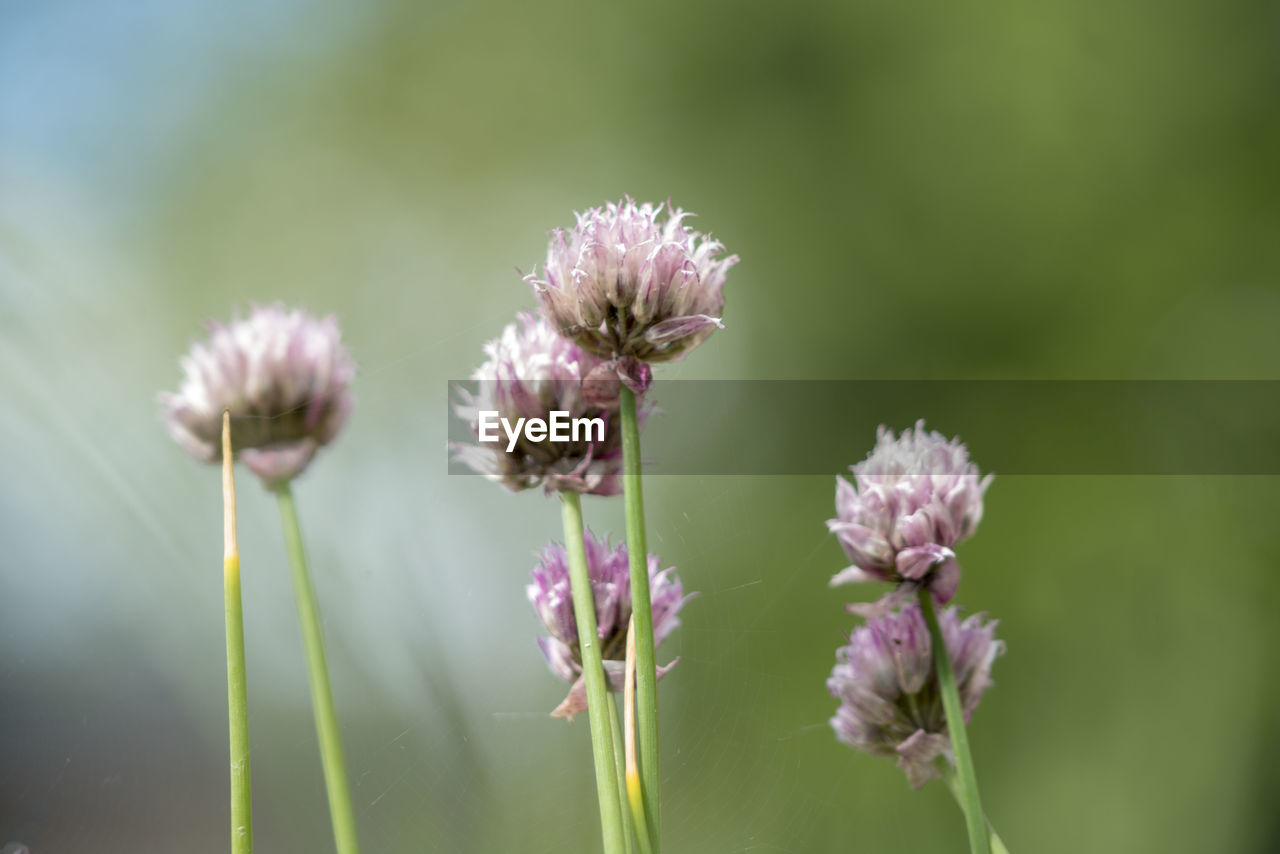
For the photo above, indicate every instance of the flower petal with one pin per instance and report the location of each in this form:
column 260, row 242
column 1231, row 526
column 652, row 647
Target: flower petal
column 852, row 575
column 918, row 756
column 915, row 563
column 679, row 327
column 574, row 702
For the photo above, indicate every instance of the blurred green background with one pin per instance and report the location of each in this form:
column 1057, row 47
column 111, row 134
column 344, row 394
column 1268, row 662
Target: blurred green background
column 1000, row 190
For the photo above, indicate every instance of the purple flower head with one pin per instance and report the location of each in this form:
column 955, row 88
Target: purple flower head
column 531, row 373
column 608, row 567
column 912, row 499
column 888, row 689
column 285, row 377
column 632, row 287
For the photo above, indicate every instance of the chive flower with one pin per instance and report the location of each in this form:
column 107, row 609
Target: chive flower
column 887, row 686
column 285, row 377
column 608, row 568
column 911, row 501
column 633, row 286
column 531, row 373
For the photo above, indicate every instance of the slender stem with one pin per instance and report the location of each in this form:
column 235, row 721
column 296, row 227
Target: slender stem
column 584, row 612
column 237, row 713
column 966, row 780
column 642, row 610
column 635, row 797
column 620, row 768
column 327, row 730
column 237, row 680
column 997, row 844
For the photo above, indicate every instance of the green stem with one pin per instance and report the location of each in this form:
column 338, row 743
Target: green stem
column 997, row 844
column 646, row 667
column 966, row 780
column 620, row 768
column 237, row 711
column 327, row 730
column 237, row 679
column 598, row 708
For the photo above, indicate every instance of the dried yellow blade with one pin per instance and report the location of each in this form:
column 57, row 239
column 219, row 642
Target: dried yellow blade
column 635, row 791
column 229, row 547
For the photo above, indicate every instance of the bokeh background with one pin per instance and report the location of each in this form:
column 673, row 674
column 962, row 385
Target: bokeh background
column 1080, row 190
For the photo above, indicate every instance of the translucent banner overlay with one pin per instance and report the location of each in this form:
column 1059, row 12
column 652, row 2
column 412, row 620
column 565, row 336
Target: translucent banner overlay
column 1038, row 427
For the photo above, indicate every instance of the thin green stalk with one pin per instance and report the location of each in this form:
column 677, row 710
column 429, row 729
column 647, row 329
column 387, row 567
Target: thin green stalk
column 598, row 708
column 237, row 680
column 966, row 780
column 646, row 667
column 327, row 730
column 997, row 844
column 237, row 713
column 620, row 768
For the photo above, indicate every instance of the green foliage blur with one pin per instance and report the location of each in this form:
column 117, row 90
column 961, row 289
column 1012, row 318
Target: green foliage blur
column 1065, row 190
